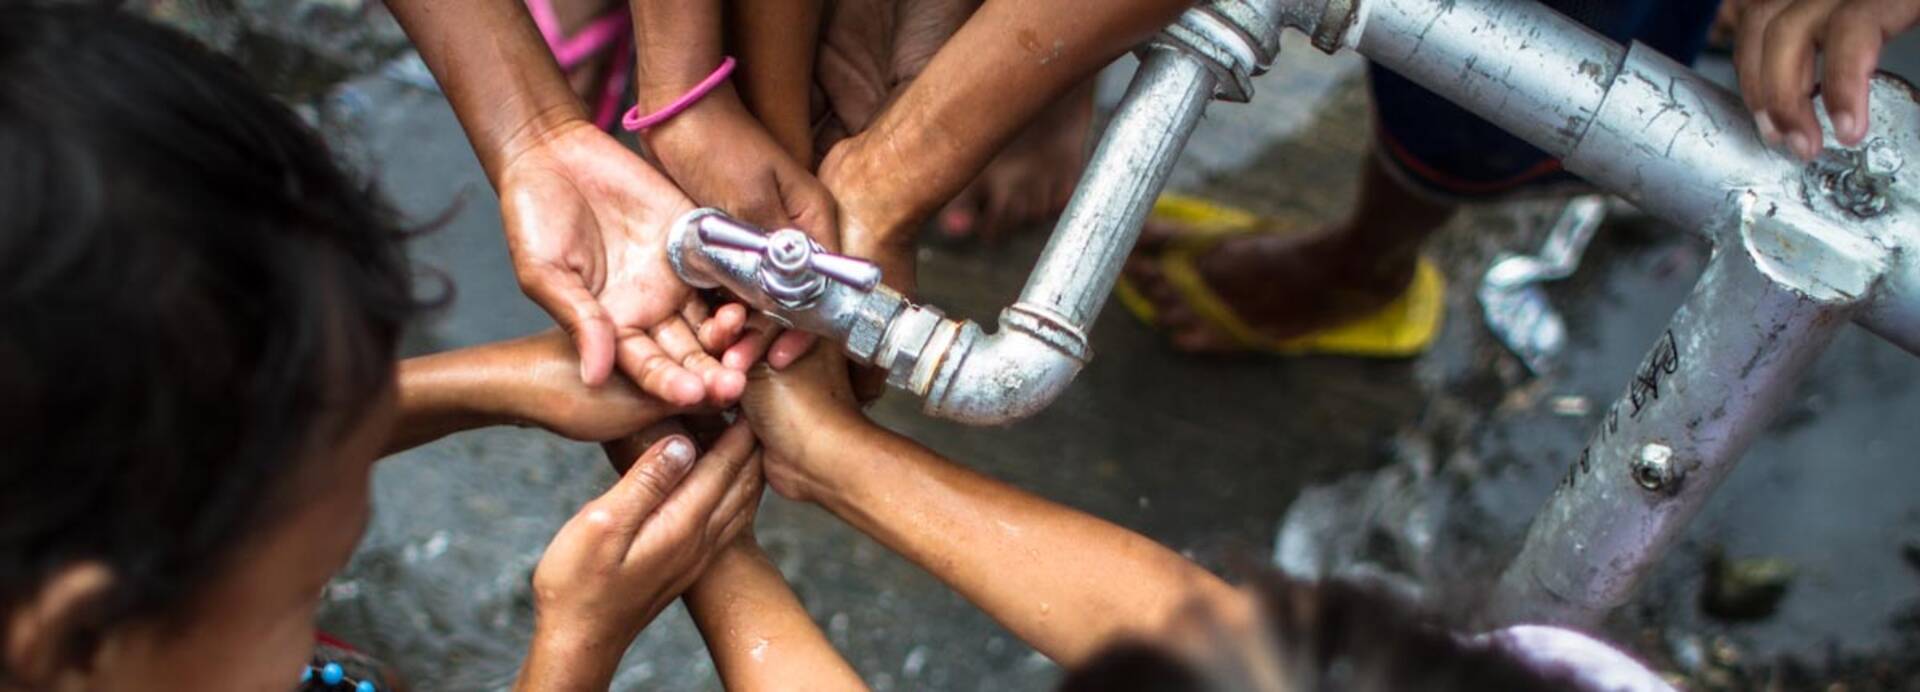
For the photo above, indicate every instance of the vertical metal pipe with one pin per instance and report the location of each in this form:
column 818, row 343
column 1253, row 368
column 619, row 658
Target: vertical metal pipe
column 1770, row 300
column 1522, row 66
column 1076, row 271
column 1041, row 344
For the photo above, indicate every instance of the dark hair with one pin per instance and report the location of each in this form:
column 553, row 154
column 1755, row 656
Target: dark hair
column 1322, row 637
column 194, row 299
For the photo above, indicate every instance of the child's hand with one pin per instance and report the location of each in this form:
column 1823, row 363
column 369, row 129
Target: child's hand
column 630, row 552
column 586, row 223
column 724, row 158
column 801, row 415
column 1774, row 55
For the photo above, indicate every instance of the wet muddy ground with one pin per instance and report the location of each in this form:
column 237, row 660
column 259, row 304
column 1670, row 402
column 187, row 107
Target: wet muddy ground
column 1454, row 449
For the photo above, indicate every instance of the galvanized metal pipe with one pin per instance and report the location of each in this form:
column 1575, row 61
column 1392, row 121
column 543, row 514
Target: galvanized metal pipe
column 1629, row 120
column 964, row 373
column 1516, row 63
column 1077, row 270
column 1042, row 341
column 1799, row 256
column 1769, row 302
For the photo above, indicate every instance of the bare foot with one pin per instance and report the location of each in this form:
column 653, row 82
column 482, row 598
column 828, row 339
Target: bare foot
column 1286, row 285
column 870, row 50
column 1032, row 178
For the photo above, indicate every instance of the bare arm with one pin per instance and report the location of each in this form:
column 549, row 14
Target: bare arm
column 1064, row 581
column 775, row 40
column 1009, row 61
column 759, row 634
column 585, row 218
column 495, row 70
column 532, row 380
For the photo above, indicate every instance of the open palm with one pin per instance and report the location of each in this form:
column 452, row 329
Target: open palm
column 586, row 223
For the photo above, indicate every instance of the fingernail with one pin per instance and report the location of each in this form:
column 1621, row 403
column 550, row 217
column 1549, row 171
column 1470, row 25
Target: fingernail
column 679, row 452
column 1767, row 130
column 1843, row 124
column 1800, row 146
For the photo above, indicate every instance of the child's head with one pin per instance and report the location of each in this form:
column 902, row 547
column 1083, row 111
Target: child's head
column 198, row 319
column 1293, row 636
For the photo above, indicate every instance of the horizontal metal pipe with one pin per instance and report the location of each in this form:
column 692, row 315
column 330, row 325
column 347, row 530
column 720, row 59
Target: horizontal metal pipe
column 1516, row 63
column 1631, row 121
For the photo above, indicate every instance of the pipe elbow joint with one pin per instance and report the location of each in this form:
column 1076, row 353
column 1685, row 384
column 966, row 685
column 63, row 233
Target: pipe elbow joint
column 1013, row 373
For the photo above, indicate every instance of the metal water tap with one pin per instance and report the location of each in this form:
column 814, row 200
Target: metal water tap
column 793, row 268
column 797, row 282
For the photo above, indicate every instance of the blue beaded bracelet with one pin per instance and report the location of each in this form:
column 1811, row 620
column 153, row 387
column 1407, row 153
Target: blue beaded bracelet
column 333, row 675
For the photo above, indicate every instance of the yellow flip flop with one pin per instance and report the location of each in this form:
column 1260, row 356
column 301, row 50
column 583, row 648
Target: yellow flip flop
column 1402, row 328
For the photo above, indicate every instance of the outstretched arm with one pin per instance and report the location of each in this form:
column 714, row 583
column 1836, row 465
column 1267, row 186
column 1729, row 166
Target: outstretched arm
column 776, row 40
column 1005, row 65
column 1064, row 581
column 532, row 380
column 759, row 634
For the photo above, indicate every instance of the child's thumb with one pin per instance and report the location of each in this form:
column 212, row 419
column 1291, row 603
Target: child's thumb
column 652, row 477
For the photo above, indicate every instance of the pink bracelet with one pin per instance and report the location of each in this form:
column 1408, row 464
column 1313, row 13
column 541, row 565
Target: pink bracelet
column 635, row 122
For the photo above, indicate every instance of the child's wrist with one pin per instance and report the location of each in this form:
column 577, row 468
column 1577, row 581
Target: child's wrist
column 838, row 455
column 686, row 134
column 573, row 658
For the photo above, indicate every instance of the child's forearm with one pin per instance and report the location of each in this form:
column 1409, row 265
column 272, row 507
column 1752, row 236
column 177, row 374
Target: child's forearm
column 677, row 43
column 759, row 634
column 533, row 380
column 446, row 393
column 1063, row 581
column 775, row 41
column 558, row 662
column 1019, row 56
column 496, row 71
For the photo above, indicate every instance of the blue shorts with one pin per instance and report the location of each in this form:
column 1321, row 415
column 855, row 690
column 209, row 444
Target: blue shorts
column 1451, row 153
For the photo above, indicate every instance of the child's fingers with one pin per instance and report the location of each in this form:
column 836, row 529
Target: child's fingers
column 677, row 339
column 684, row 515
column 1786, row 63
column 789, row 348
column 739, row 503
column 1852, row 46
column 740, row 522
column 695, row 310
column 645, row 487
column 1748, row 67
column 724, row 329
column 761, row 331
column 622, row 452
column 657, row 372
column 562, row 294
column 812, row 209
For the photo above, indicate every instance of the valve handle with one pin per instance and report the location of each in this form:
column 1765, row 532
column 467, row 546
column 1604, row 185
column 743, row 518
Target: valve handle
column 726, row 231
